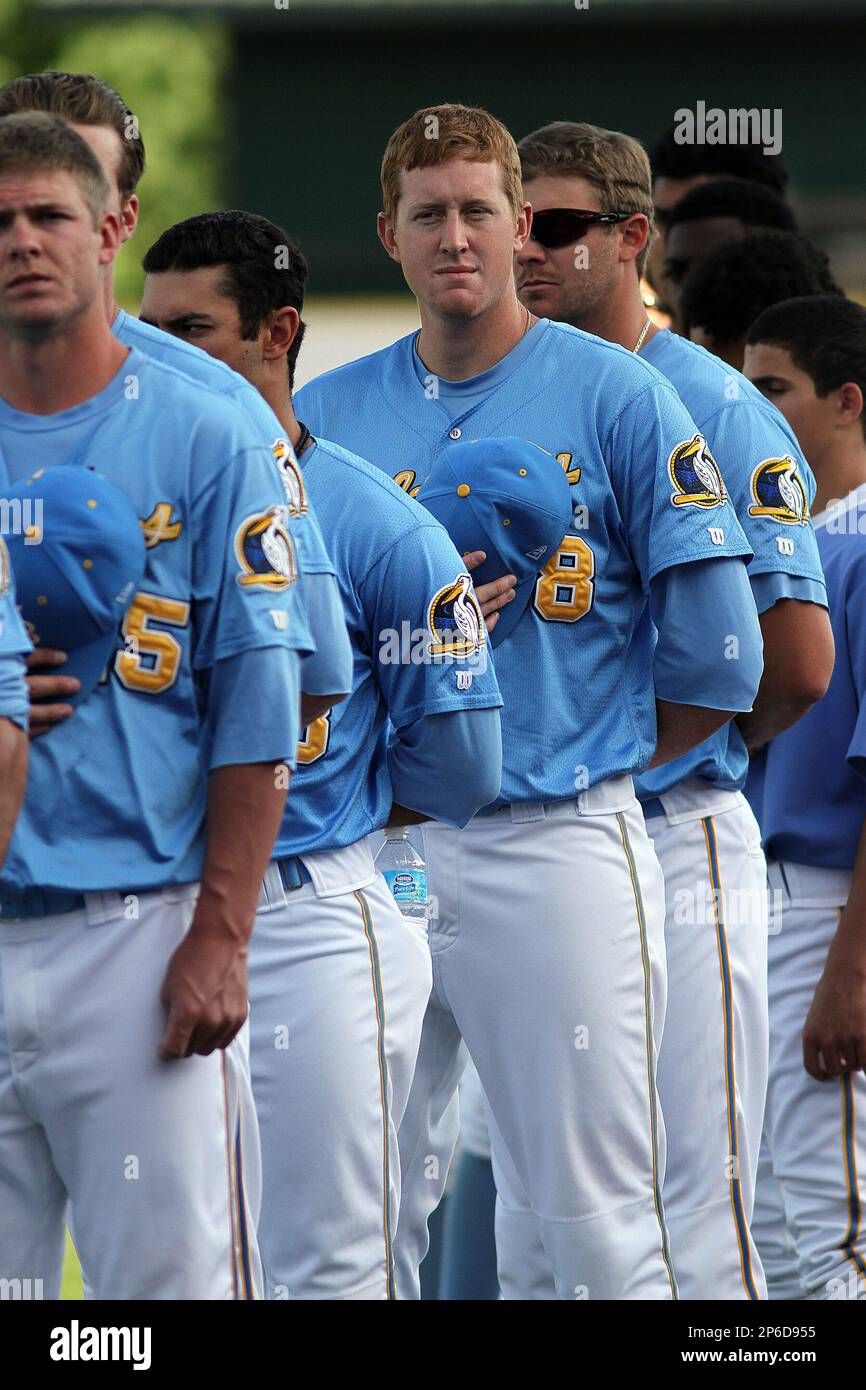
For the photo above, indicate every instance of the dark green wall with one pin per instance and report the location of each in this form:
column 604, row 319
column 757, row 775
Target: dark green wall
column 314, row 108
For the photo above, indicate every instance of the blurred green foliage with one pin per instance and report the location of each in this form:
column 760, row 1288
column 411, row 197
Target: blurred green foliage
column 171, row 74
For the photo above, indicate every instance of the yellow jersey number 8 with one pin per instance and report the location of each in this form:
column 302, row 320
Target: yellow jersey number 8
column 565, row 589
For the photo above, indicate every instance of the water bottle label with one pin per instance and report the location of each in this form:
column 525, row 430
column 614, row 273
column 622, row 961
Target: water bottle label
column 407, row 885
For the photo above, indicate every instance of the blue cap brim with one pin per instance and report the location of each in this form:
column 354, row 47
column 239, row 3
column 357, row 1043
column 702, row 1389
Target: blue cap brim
column 87, row 663
column 510, row 615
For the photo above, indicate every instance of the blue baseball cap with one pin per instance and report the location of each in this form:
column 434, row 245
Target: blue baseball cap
column 507, row 497
column 78, row 554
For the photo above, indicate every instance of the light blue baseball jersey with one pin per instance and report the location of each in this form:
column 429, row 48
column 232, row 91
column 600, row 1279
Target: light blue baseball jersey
column 758, row 454
column 116, row 795
column 319, row 624
column 14, row 645
column 577, row 673
column 398, row 572
column 814, row 787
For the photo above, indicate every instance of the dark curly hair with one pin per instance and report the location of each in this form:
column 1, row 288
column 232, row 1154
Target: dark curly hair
column 726, row 293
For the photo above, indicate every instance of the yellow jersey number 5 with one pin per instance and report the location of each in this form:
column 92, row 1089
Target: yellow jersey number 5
column 314, row 744
column 151, row 658
column 565, row 588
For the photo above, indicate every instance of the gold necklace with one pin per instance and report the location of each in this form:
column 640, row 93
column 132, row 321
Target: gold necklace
column 646, row 328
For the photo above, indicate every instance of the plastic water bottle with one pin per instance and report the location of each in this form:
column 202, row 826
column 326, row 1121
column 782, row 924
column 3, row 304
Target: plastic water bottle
column 405, row 873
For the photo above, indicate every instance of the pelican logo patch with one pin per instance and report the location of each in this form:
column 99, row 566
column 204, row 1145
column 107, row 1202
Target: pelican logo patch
column 290, row 475
column 779, row 492
column 265, row 551
column 695, row 475
column 455, row 621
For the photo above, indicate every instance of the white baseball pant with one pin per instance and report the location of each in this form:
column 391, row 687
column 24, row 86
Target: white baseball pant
column 339, row 981
column 712, row 1069
column 548, row 959
column 809, row 1207
column 714, row 1051
column 155, row 1162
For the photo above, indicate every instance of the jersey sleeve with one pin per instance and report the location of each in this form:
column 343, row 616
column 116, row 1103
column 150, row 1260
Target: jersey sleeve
column 855, row 637
column 329, row 670
column 669, row 488
column 14, row 696
column 770, row 588
column 13, row 634
column 431, row 649
column 709, row 651
column 244, row 565
column 771, row 487
column 422, row 758
column 252, row 709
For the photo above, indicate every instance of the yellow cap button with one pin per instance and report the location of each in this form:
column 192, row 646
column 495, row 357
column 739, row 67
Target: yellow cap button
column 506, row 521
column 463, row 490
column 91, row 502
column 522, row 472
column 32, row 533
column 88, row 564
column 42, row 600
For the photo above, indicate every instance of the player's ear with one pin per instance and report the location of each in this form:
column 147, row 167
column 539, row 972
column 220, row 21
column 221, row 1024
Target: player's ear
column 281, row 329
column 521, row 231
column 128, row 216
column 634, row 235
column 850, row 407
column 385, row 229
column 108, row 230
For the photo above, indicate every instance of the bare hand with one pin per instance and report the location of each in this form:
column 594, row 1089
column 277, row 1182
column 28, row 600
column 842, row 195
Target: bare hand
column 494, row 595
column 204, row 993
column 42, row 687
column 834, row 1037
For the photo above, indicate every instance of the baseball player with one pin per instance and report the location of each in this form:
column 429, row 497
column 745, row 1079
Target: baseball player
column 678, row 168
column 711, row 216
column 104, row 121
column 131, row 881
column 339, row 980
column 723, row 297
column 713, row 1058
column 809, row 357
column 548, row 950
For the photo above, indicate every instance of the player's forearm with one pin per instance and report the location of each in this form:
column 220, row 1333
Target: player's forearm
column 850, row 938
column 682, row 727
column 13, row 779
column 798, row 664
column 244, row 809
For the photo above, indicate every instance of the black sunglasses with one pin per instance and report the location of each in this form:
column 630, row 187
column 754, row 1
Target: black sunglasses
column 555, row 227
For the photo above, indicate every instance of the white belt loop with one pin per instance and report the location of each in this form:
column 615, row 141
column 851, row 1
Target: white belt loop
column 524, row 811
column 100, row 908
column 273, row 894
column 614, row 794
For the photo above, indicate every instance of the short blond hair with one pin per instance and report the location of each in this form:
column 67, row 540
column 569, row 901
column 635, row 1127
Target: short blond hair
column 615, row 164
column 35, row 140
column 436, row 134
